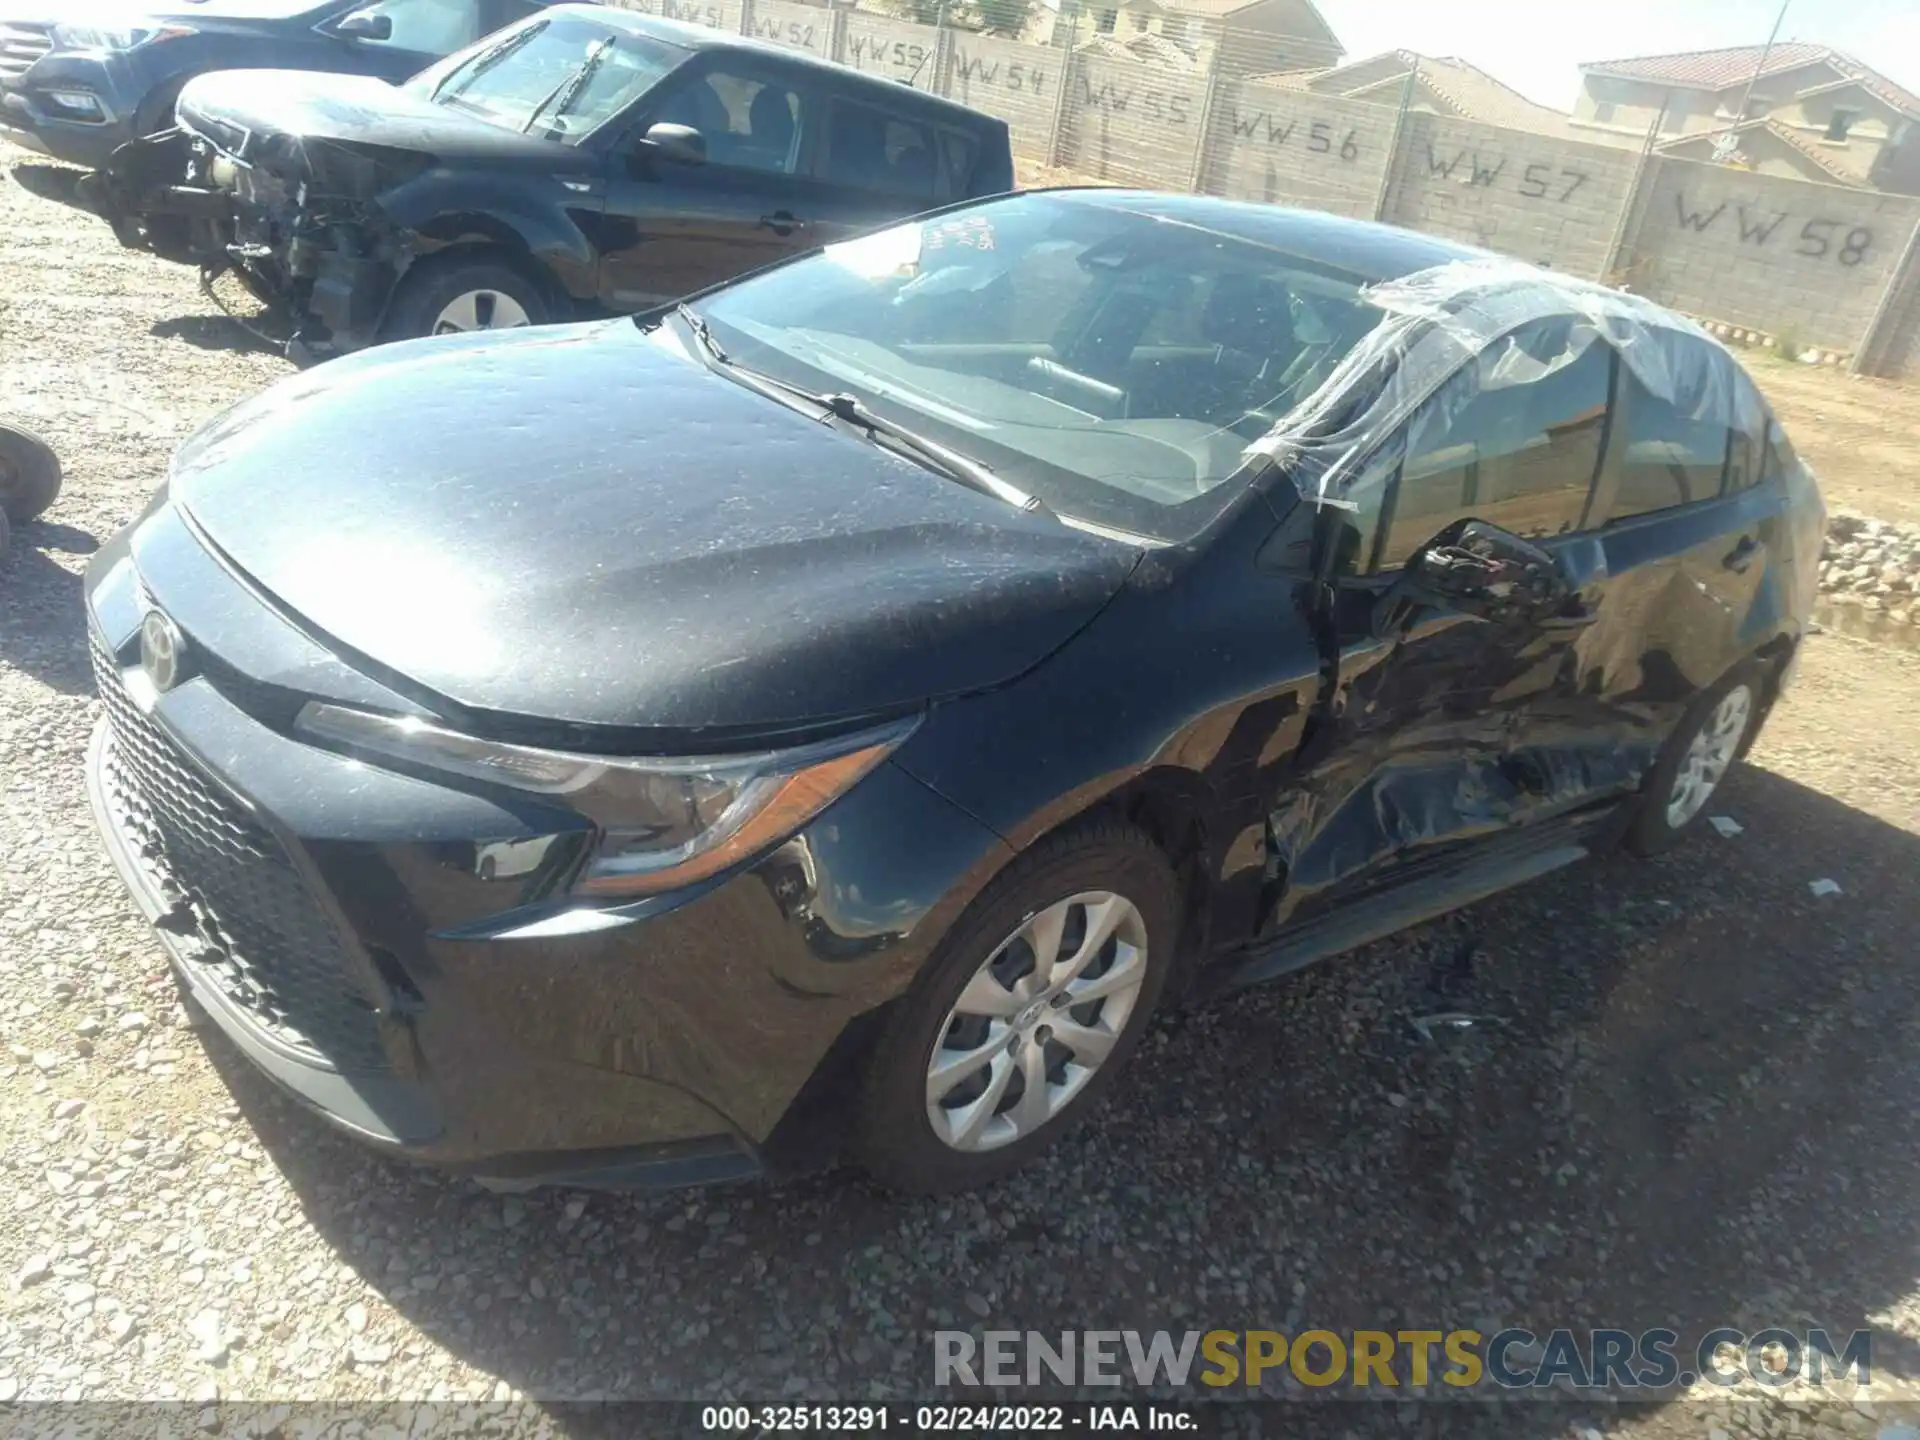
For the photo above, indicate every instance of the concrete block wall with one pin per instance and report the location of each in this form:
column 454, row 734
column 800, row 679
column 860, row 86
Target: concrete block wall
column 1764, row 252
column 1774, row 254
column 893, row 48
column 1554, row 202
column 712, row 14
column 1132, row 124
column 1021, row 84
column 795, row 26
column 1894, row 346
column 1283, row 147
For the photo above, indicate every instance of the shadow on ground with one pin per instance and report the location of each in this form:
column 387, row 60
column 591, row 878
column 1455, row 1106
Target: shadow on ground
column 1688, row 1103
column 42, row 622
column 50, row 182
column 262, row 333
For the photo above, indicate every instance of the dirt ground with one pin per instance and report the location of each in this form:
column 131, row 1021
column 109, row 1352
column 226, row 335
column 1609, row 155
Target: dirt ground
column 1860, row 435
column 1689, row 1099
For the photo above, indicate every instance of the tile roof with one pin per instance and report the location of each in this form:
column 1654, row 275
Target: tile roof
column 1457, row 85
column 1835, row 161
column 1735, row 65
column 1158, row 50
column 1286, row 79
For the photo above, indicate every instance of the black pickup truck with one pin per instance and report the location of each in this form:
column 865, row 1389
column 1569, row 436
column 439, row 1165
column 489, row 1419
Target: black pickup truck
column 584, row 161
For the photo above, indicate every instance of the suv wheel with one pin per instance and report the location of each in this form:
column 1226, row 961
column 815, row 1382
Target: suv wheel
column 1695, row 760
column 29, row 474
column 1024, row 1015
column 461, row 296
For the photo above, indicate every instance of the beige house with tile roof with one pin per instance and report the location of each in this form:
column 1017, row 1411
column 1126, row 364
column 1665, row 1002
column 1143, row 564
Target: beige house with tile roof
column 1244, row 35
column 1815, row 113
column 1441, row 85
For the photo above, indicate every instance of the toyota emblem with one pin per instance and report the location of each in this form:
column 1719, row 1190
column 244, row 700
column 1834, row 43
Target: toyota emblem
column 163, row 651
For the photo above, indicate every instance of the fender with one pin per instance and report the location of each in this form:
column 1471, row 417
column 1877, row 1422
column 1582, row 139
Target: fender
column 540, row 218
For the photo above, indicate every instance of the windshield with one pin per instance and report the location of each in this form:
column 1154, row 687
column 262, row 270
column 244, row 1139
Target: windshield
column 562, row 77
column 1112, row 363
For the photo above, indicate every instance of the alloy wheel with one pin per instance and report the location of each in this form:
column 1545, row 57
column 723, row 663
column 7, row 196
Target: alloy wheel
column 1709, row 755
column 1036, row 1021
column 481, row 310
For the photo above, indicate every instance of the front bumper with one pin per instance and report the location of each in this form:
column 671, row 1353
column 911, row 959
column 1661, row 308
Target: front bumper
column 400, row 957
column 31, row 115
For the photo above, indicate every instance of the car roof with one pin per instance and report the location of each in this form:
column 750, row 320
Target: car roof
column 700, row 37
column 1360, row 247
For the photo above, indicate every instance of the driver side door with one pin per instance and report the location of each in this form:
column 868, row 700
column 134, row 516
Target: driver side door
column 1431, row 744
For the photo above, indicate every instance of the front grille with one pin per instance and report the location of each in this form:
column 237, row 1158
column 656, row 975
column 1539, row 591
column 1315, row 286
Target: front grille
column 253, row 925
column 22, row 43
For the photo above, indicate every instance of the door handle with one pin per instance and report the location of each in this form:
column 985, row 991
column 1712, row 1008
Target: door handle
column 783, row 222
column 1742, row 555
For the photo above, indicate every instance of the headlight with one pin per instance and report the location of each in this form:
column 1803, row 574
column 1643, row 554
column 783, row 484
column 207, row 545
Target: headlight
column 665, row 822
column 113, row 37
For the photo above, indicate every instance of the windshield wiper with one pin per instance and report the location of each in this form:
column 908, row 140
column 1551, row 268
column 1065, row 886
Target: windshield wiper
column 485, row 61
column 568, row 90
column 850, row 410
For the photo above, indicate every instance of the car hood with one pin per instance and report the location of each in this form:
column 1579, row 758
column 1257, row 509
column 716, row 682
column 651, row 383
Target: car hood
column 584, row 525
column 247, row 112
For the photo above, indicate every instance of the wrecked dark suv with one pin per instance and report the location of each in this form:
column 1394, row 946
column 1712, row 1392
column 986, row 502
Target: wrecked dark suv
column 585, row 161
column 829, row 716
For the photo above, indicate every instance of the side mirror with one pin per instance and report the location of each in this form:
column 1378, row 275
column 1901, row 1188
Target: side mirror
column 1481, row 570
column 677, row 142
column 362, row 25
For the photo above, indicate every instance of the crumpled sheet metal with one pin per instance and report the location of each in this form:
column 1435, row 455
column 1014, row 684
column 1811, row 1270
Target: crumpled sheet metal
column 1435, row 321
column 1345, row 822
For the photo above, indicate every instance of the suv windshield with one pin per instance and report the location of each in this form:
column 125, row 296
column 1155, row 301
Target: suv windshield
column 560, row 76
column 1111, row 362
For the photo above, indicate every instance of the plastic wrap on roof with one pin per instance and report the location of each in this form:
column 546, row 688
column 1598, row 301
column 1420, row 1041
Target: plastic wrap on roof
column 1348, row 436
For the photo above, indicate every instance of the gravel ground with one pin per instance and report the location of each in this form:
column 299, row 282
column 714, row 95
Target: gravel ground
column 1693, row 1103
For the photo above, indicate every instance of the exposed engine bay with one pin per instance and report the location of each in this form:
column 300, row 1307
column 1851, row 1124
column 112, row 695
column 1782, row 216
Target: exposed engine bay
column 294, row 218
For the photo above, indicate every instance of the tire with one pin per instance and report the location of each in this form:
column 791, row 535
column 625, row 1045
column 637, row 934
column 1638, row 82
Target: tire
column 29, row 474
column 1138, row 899
column 1664, row 816
column 431, row 290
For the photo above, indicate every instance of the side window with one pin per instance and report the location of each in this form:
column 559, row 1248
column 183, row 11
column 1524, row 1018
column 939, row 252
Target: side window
column 1781, row 456
column 869, row 149
column 1514, row 439
column 1673, row 449
column 431, row 27
column 748, row 123
column 956, row 161
column 1747, row 450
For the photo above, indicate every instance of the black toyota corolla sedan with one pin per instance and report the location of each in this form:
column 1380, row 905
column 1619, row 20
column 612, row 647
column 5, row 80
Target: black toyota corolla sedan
column 829, row 716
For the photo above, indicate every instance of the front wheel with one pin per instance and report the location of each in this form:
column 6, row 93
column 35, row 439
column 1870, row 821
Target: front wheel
column 461, row 296
column 1028, row 1009
column 1695, row 760
column 29, row 474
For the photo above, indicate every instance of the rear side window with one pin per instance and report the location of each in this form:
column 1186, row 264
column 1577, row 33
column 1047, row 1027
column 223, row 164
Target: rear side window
column 870, row 149
column 1782, row 459
column 1674, row 451
column 1522, row 456
column 1747, row 444
column 956, row 160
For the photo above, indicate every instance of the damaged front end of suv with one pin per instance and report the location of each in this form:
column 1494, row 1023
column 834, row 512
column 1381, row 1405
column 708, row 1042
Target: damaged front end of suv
column 297, row 218
column 321, row 192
